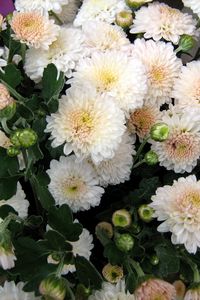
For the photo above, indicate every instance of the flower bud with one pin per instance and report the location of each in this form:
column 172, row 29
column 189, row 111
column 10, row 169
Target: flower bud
column 124, row 242
column 124, row 19
column 27, row 137
column 53, row 288
column 135, row 4
column 14, row 138
column 7, row 103
column 8, row 112
column 159, row 132
column 82, row 292
column 180, row 289
column 106, row 228
column 186, row 43
column 145, row 213
column 193, row 293
column 7, row 256
column 121, row 218
column 151, row 158
column 154, row 260
column 112, row 273
column 13, row 151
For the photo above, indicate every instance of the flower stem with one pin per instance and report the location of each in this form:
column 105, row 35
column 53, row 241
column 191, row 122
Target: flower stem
column 5, row 126
column 137, row 267
column 14, row 93
column 60, row 267
column 138, row 164
column 52, row 13
column 194, row 267
column 141, row 148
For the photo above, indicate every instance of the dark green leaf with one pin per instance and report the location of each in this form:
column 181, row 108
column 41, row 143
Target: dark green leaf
column 12, row 75
column 8, row 187
column 9, row 165
column 131, row 282
column 57, row 241
column 114, row 255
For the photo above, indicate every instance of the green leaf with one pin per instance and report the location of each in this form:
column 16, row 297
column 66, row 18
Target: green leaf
column 61, row 220
column 52, row 83
column 131, row 282
column 56, row 241
column 34, row 221
column 114, row 255
column 87, row 273
column 8, row 187
column 43, row 194
column 9, row 165
column 12, row 75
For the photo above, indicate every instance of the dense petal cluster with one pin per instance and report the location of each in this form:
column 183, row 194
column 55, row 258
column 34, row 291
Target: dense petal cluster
column 10, row 290
column 43, row 6
column 193, row 4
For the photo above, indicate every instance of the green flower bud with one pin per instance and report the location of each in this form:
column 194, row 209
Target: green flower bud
column 8, row 112
column 135, row 4
column 159, row 132
column 124, row 19
column 121, row 218
column 146, row 213
column 180, row 289
column 186, row 43
column 82, row 292
column 27, row 137
column 53, row 288
column 154, row 260
column 112, row 273
column 13, row 151
column 151, row 158
column 15, row 138
column 124, row 242
column 106, row 228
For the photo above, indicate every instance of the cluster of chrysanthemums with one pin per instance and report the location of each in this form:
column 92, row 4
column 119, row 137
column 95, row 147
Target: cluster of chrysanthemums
column 124, row 82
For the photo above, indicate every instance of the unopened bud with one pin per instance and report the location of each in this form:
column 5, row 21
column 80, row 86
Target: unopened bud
column 53, row 288
column 27, row 137
column 159, row 132
column 124, row 242
column 13, row 151
column 180, row 289
column 151, row 158
column 186, row 43
column 7, row 103
column 82, row 292
column 106, row 228
column 135, row 4
column 112, row 273
column 124, row 19
column 14, row 138
column 145, row 213
column 7, row 256
column 121, row 218
column 8, row 112
column 154, row 260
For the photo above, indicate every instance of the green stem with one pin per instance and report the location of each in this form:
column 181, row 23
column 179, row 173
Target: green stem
column 141, row 148
column 178, row 49
column 23, row 52
column 137, row 267
column 194, row 268
column 14, row 93
column 33, row 183
column 138, row 164
column 60, row 267
column 5, row 126
column 25, row 157
column 52, row 13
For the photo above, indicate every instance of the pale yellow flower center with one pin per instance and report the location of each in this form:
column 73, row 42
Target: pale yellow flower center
column 192, row 199
column 73, row 187
column 157, row 74
column 106, row 78
column 82, row 124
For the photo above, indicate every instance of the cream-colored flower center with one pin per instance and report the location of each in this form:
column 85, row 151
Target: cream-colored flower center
column 106, row 79
column 73, row 187
column 181, row 146
column 82, row 124
column 28, row 26
column 157, row 74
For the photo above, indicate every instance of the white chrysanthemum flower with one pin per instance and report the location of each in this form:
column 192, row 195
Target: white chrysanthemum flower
column 82, row 247
column 187, row 86
column 69, row 11
column 102, row 10
column 111, row 291
column 34, row 29
column 74, row 183
column 181, row 150
column 116, row 75
column 179, row 207
column 142, row 119
column 159, row 20
column 194, row 5
column 3, row 62
column 118, row 169
column 13, row 291
column 89, row 124
column 43, row 6
column 102, row 37
column 162, row 67
column 18, row 202
column 64, row 53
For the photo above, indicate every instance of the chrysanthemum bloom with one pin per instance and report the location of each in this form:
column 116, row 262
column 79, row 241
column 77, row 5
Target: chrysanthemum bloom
column 102, row 10
column 142, row 119
column 89, row 124
column 4, row 140
column 5, row 98
column 187, row 86
column 34, row 29
column 64, row 53
column 111, row 291
column 155, row 289
column 18, row 202
column 118, row 169
column 102, row 37
column 180, row 289
column 112, row 274
column 74, row 183
column 10, row 290
column 7, row 257
column 194, row 5
column 178, row 206
column 181, row 150
column 3, row 62
column 69, row 11
column 116, row 75
column 43, row 6
column 159, row 20
column 193, row 294
column 162, row 67
column 82, row 247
